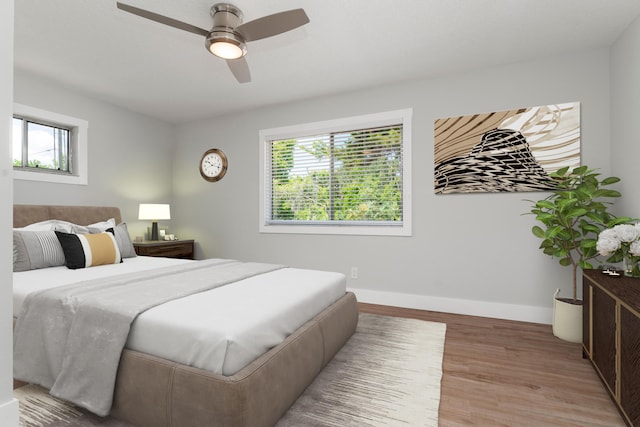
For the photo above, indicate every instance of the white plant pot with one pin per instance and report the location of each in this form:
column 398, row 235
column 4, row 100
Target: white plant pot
column 567, row 320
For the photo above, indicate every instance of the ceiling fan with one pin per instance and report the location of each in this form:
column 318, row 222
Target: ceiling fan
column 228, row 37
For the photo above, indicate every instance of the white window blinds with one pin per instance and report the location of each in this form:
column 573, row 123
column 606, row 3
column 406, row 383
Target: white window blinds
column 344, row 176
column 352, row 177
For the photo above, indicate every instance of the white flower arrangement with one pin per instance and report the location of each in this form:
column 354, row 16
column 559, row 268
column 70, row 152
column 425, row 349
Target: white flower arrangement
column 622, row 237
column 622, row 243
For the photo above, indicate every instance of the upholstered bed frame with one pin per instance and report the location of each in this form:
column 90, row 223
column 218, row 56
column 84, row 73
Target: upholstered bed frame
column 155, row 392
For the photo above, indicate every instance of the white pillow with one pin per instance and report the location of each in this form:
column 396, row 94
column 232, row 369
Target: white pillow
column 103, row 225
column 55, row 224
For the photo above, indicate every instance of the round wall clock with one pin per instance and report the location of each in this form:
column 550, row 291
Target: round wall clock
column 213, row 165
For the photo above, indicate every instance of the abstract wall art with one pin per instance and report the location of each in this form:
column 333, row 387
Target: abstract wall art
column 506, row 151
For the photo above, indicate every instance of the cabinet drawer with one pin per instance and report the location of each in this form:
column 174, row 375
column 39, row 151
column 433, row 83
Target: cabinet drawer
column 630, row 365
column 177, row 249
column 604, row 336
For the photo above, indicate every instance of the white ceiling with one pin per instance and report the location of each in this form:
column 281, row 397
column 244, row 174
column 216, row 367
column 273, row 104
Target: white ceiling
column 92, row 46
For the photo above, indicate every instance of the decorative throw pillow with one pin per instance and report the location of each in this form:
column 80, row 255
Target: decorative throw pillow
column 88, row 250
column 121, row 233
column 36, row 249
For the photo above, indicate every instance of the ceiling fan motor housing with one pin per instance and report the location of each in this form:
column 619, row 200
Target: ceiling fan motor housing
column 226, row 18
column 226, row 15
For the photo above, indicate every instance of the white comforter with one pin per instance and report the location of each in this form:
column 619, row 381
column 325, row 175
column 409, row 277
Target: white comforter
column 221, row 330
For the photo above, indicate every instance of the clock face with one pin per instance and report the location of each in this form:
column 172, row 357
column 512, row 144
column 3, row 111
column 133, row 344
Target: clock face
column 213, row 165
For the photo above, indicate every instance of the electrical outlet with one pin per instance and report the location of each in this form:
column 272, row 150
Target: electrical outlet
column 354, row 272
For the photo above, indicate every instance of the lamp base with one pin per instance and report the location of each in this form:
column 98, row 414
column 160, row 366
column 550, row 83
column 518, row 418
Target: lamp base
column 154, row 230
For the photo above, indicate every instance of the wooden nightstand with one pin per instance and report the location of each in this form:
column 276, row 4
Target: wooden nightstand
column 165, row 248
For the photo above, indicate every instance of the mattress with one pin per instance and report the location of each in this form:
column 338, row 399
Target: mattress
column 220, row 330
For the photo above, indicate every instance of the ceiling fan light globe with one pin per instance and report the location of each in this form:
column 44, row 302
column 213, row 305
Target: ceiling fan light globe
column 224, row 43
column 227, row 50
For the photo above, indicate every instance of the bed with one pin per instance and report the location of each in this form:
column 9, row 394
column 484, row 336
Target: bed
column 151, row 390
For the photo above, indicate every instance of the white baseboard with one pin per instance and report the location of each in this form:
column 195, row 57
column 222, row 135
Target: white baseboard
column 10, row 413
column 524, row 313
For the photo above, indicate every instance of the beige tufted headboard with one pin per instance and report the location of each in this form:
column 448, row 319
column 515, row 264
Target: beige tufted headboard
column 81, row 215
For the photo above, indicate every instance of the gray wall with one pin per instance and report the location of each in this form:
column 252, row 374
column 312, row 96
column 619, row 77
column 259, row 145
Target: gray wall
column 468, row 253
column 625, row 118
column 8, row 406
column 130, row 155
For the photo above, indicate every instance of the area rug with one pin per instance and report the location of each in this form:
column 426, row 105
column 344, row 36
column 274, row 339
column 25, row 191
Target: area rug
column 387, row 374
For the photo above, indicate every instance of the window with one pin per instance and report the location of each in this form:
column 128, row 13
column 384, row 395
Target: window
column 49, row 146
column 346, row 176
column 40, row 146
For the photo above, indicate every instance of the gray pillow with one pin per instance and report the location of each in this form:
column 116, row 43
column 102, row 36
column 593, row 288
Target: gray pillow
column 121, row 233
column 36, row 249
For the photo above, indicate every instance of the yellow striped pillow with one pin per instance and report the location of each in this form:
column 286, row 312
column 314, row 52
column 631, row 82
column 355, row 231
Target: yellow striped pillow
column 88, row 250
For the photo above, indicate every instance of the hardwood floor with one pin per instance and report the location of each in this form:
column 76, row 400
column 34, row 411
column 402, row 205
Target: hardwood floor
column 507, row 373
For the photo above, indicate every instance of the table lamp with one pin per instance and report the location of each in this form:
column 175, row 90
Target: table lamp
column 155, row 213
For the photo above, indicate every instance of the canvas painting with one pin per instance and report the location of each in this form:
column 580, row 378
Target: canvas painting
column 506, row 151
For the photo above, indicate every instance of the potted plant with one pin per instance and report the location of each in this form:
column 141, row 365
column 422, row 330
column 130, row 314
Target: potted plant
column 571, row 218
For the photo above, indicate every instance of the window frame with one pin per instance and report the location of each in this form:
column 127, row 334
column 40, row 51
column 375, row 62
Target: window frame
column 78, row 147
column 402, row 117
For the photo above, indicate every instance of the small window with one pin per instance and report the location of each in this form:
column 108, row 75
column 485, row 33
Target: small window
column 40, row 146
column 347, row 176
column 49, row 146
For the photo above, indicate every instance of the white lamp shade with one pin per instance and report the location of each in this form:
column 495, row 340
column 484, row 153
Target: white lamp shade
column 154, row 212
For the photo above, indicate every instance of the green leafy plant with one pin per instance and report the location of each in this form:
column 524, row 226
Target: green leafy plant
column 573, row 215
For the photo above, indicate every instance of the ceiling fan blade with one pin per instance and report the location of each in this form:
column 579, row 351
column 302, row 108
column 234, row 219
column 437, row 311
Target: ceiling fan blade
column 272, row 25
column 162, row 19
column 240, row 69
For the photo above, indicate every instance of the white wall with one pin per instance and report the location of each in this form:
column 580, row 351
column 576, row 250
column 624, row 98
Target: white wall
column 130, row 155
column 8, row 406
column 625, row 118
column 469, row 253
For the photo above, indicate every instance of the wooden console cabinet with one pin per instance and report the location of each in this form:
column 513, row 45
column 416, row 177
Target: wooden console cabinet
column 611, row 337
